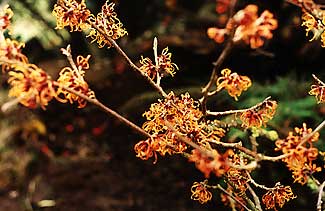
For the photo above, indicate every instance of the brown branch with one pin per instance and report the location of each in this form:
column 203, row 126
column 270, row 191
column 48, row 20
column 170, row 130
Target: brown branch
column 318, row 80
column 125, row 56
column 232, row 197
column 105, row 109
column 320, row 194
column 211, row 113
column 205, row 91
column 255, row 197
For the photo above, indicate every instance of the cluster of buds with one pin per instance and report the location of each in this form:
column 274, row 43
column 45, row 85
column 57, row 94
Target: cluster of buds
column 259, row 115
column 248, row 26
column 106, row 25
column 298, row 147
column 277, row 196
column 232, row 82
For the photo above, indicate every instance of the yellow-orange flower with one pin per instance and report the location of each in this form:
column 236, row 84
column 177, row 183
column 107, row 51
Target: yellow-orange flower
column 73, row 78
column 5, row 16
column 11, row 50
column 164, row 65
column 31, row 84
column 235, row 84
column 318, row 90
column 207, row 164
column 71, row 13
column 250, row 28
column 277, row 196
column 260, row 115
column 300, row 153
column 108, row 22
column 200, row 192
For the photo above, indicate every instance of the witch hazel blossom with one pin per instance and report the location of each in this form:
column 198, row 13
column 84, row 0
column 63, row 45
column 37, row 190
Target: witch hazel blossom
column 249, row 27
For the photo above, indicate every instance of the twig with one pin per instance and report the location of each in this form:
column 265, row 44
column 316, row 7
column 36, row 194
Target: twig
column 186, row 140
column 132, row 65
column 320, row 194
column 226, row 51
column 106, row 109
column 318, row 80
column 255, row 197
column 217, row 65
column 232, row 197
column 211, row 113
column 256, row 184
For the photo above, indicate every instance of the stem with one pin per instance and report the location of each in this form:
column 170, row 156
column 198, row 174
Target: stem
column 211, row 113
column 232, row 197
column 319, row 201
column 255, row 197
column 256, row 184
column 205, row 91
column 318, row 80
column 132, row 65
column 105, row 109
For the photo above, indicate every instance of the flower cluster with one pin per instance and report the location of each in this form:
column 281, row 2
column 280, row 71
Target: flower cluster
column 71, row 13
column 159, row 143
column 200, row 192
column 235, row 84
column 11, row 50
column 250, row 28
column 318, row 90
column 73, row 78
column 106, row 24
column 298, row 147
column 164, row 65
column 212, row 163
column 182, row 113
column 316, row 27
column 5, row 16
column 238, row 178
column 31, row 84
column 277, row 196
column 259, row 115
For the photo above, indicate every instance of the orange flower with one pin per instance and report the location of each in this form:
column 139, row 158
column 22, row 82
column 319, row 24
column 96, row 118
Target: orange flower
column 71, row 13
column 164, row 66
column 319, row 91
column 144, row 150
column 260, row 115
column 5, row 16
column 163, row 144
column 300, row 153
column 200, row 192
column 73, row 78
column 207, row 164
column 222, row 6
column 235, row 84
column 31, row 84
column 277, row 196
column 251, row 29
column 108, row 22
column 11, row 50
column 218, row 35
